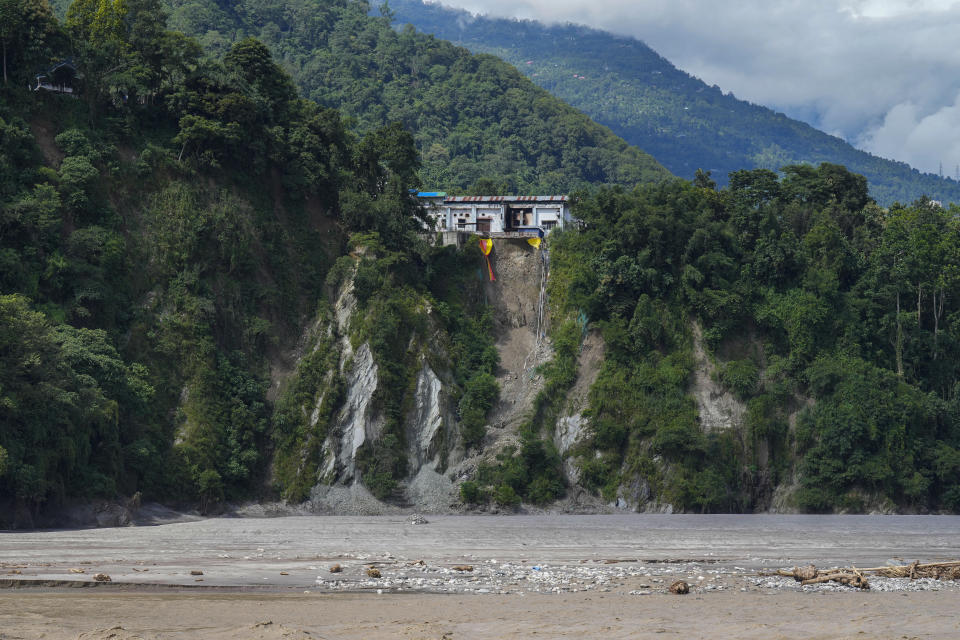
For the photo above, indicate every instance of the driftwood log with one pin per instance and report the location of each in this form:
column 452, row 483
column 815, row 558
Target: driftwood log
column 914, row 570
column 854, row 577
column 811, row 575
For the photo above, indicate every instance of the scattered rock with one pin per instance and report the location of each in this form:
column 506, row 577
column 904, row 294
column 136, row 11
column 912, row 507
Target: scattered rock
column 77, row 570
column 373, row 572
column 284, row 573
column 418, row 518
column 196, row 572
column 335, row 568
column 111, row 514
column 15, row 572
column 680, row 588
column 463, row 567
column 101, row 577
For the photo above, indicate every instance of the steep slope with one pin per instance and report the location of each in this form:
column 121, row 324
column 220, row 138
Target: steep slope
column 758, row 349
column 166, row 242
column 473, row 117
column 684, row 123
column 211, row 291
column 433, row 444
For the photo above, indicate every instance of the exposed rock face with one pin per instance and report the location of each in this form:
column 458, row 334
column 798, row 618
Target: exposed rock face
column 432, row 442
column 571, row 427
column 516, row 291
column 356, row 423
column 426, row 421
column 434, row 452
column 514, row 296
column 569, row 430
column 719, row 409
column 436, row 460
column 430, row 430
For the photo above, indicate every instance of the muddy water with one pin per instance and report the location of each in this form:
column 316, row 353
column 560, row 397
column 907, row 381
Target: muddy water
column 248, row 551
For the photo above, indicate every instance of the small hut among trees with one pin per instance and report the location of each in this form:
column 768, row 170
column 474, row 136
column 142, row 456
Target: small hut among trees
column 59, row 78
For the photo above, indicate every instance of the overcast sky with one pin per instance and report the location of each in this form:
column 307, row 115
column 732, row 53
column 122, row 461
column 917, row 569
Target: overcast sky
column 883, row 74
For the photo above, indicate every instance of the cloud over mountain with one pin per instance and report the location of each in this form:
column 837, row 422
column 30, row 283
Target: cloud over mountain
column 884, row 74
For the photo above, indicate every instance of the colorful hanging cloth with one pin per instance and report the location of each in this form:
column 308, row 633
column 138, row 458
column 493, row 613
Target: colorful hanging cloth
column 534, row 242
column 486, row 246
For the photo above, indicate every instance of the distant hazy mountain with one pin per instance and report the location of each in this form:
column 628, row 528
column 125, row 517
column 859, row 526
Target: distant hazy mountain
column 684, row 123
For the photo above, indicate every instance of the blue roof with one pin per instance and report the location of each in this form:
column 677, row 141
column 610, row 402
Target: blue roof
column 431, row 194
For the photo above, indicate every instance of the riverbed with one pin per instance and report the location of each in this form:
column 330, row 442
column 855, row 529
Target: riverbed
column 481, row 576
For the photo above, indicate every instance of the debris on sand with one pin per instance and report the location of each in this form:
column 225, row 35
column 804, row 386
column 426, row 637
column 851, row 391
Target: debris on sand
column 196, row 572
column 854, row 577
column 418, row 518
column 373, row 572
column 336, row 568
column 914, row 570
column 462, row 567
column 809, row 574
column 101, row 577
column 77, row 570
column 680, row 588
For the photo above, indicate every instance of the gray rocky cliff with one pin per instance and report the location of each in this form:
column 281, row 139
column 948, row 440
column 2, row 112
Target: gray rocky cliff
column 436, row 460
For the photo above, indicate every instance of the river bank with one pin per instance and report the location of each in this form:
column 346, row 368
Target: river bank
column 475, row 576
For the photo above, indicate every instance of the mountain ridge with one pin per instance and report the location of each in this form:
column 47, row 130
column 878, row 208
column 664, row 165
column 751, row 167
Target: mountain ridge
column 680, row 120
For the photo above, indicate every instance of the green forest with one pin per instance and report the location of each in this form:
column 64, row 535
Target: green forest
column 476, row 121
column 833, row 320
column 174, row 235
column 162, row 236
column 683, row 122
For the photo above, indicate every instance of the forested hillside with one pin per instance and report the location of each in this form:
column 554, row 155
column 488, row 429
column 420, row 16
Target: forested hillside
column 473, row 117
column 215, row 290
column 165, row 238
column 683, row 122
column 831, row 323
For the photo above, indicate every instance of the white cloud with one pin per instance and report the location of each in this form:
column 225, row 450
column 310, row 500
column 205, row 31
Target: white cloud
column 918, row 139
column 884, row 74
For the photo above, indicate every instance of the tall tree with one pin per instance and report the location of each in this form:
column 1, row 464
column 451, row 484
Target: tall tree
column 27, row 30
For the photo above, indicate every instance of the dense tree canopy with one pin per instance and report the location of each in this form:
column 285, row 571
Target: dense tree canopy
column 157, row 247
column 803, row 289
column 165, row 240
column 472, row 117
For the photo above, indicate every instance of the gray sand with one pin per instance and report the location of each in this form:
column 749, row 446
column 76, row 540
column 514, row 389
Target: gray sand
column 536, row 567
